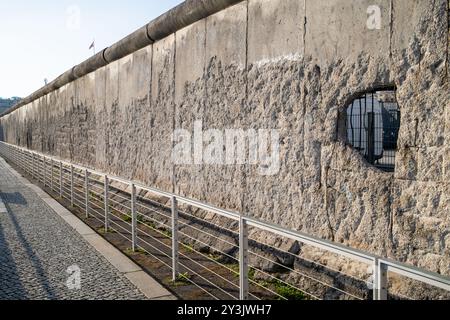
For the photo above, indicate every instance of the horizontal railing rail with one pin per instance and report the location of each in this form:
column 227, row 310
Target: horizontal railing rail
column 77, row 184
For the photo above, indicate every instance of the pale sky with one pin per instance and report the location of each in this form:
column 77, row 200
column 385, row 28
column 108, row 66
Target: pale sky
column 42, row 39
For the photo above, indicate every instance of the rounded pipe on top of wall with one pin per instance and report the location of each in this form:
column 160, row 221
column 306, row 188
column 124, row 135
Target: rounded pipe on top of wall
column 135, row 41
column 63, row 79
column 181, row 16
column 93, row 63
column 184, row 15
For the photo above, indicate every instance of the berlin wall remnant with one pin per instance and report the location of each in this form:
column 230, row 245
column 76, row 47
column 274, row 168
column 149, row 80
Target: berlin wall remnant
column 289, row 65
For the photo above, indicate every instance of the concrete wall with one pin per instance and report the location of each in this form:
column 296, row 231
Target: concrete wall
column 290, row 65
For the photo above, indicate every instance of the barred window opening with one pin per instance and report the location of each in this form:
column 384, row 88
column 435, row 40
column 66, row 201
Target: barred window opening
column 373, row 123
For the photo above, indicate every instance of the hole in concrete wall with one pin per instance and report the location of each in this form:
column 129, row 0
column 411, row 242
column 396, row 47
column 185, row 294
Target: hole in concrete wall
column 372, row 127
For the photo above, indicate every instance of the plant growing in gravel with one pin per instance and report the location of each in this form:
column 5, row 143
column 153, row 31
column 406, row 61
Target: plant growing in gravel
column 167, row 233
column 236, row 272
column 127, row 218
column 140, row 218
column 188, row 247
column 181, row 280
column 101, row 230
column 130, row 251
column 94, row 196
column 183, row 277
column 284, row 290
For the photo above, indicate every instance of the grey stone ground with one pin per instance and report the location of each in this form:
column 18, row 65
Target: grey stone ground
column 37, row 247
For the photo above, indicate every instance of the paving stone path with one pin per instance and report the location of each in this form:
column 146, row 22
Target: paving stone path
column 40, row 255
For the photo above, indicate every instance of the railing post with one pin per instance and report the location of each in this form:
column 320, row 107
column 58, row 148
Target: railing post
column 32, row 165
column 19, row 158
column 382, row 281
column 30, row 156
column 24, row 160
column 44, row 170
column 60, row 179
column 13, row 156
column 380, row 290
column 51, row 174
column 375, row 279
column 39, row 168
column 175, row 244
column 36, row 167
column 86, row 188
column 27, row 161
column 243, row 259
column 133, row 217
column 71, row 185
column 106, row 198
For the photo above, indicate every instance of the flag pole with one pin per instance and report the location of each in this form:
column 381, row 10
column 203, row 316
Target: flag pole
column 93, row 46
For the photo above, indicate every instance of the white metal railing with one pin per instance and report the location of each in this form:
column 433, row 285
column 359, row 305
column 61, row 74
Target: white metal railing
column 79, row 189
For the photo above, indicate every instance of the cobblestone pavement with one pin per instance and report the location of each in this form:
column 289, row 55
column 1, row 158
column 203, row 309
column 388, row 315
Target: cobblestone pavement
column 40, row 254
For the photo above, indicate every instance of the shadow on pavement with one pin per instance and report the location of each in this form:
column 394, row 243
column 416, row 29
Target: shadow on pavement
column 13, row 198
column 11, row 287
column 18, row 199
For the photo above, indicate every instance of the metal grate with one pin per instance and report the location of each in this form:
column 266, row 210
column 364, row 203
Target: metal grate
column 373, row 122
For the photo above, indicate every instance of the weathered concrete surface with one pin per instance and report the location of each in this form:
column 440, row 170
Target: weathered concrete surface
column 158, row 168
column 225, row 100
column 190, row 94
column 290, row 65
column 337, row 30
column 420, row 210
column 275, row 29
